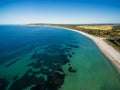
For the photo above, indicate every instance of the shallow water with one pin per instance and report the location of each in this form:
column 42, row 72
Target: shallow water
column 30, row 54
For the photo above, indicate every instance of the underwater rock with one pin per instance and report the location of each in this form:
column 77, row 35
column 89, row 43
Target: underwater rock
column 25, row 81
column 55, row 81
column 73, row 53
column 40, row 86
column 70, row 55
column 73, row 46
column 11, row 63
column 60, row 69
column 3, row 84
column 68, row 64
column 16, row 77
column 70, row 69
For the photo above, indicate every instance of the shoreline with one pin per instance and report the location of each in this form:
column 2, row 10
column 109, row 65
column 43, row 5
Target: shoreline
column 106, row 49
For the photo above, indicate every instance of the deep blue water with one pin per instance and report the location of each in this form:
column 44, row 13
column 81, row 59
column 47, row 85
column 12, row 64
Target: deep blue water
column 14, row 37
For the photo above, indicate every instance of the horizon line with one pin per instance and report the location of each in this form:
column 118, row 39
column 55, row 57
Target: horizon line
column 59, row 23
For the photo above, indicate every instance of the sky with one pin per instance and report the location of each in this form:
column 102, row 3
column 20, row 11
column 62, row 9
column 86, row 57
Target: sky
column 59, row 11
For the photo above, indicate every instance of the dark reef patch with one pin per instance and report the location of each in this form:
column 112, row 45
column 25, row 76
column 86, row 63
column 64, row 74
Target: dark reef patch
column 69, row 55
column 71, row 69
column 73, row 53
column 54, row 81
column 72, row 46
column 40, row 86
column 52, row 57
column 3, row 84
column 49, row 62
column 25, row 81
column 16, row 77
column 9, row 64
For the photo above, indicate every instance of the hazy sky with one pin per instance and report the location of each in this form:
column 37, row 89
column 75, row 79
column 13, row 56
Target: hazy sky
column 59, row 11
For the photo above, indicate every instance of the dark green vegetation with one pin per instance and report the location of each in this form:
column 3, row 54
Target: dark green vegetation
column 112, row 37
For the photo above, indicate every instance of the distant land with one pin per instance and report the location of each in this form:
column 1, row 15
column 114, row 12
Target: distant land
column 74, row 24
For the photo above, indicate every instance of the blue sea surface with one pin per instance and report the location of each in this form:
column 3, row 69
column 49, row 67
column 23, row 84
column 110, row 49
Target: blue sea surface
column 13, row 37
column 35, row 56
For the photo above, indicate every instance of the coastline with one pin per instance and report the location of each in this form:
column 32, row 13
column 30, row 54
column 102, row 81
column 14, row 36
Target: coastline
column 107, row 50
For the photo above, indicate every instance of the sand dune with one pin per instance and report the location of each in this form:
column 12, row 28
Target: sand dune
column 102, row 27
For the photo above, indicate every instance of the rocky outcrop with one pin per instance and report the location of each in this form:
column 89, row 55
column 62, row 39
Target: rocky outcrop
column 54, row 81
column 71, row 69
